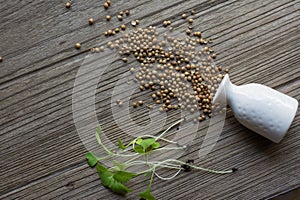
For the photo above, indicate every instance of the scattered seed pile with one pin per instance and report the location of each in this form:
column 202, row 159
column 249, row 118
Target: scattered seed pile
column 179, row 70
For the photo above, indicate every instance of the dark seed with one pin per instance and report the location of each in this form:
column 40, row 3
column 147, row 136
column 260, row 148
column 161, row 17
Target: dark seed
column 234, row 169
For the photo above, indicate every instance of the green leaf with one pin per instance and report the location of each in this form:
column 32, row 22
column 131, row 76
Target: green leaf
column 139, row 149
column 121, row 145
column 146, row 143
column 111, row 181
column 118, row 187
column 155, row 145
column 147, row 195
column 119, row 166
column 139, row 140
column 92, row 159
column 123, row 176
column 100, row 168
column 106, row 178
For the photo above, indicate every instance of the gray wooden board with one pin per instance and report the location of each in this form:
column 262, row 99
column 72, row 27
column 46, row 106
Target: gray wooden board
column 42, row 157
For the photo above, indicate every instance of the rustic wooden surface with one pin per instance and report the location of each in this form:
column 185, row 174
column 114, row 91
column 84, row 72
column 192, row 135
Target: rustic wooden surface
column 41, row 154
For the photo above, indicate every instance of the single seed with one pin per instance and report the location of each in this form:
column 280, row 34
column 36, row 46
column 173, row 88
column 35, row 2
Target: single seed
column 157, row 101
column 133, row 23
column 124, row 60
column 120, row 18
column 153, row 96
column 1, row 58
column 192, row 12
column 68, row 5
column 117, row 30
column 149, row 106
column 188, row 31
column 165, row 23
column 121, row 13
column 105, row 5
column 140, row 102
column 227, row 70
column 142, row 88
column 137, row 22
column 119, row 102
column 132, row 69
column 107, row 17
column 108, row 2
column 134, row 104
column 191, row 21
column 127, row 12
column 77, row 45
column 91, row 21
column 109, row 32
column 214, row 56
column 123, row 26
column 184, row 16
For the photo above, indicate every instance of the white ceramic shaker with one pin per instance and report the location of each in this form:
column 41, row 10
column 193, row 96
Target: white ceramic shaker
column 259, row 108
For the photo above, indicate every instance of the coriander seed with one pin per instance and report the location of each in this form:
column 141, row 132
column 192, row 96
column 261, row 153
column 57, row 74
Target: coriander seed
column 192, row 12
column 188, row 31
column 191, row 20
column 140, row 102
column 227, row 70
column 91, row 21
column 131, row 69
column 165, row 23
column 105, row 5
column 184, row 16
column 124, row 60
column 120, row 18
column 68, row 5
column 134, row 104
column 127, row 12
column 77, row 45
column 1, row 58
column 107, row 17
column 123, row 27
column 133, row 23
column 119, row 102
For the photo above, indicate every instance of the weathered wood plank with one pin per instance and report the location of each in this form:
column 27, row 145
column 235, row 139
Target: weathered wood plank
column 259, row 41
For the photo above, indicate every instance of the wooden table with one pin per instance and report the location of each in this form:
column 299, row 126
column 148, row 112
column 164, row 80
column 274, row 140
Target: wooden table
column 42, row 156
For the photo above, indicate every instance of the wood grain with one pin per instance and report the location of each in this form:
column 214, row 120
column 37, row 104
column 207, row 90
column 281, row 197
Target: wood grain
column 42, row 157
